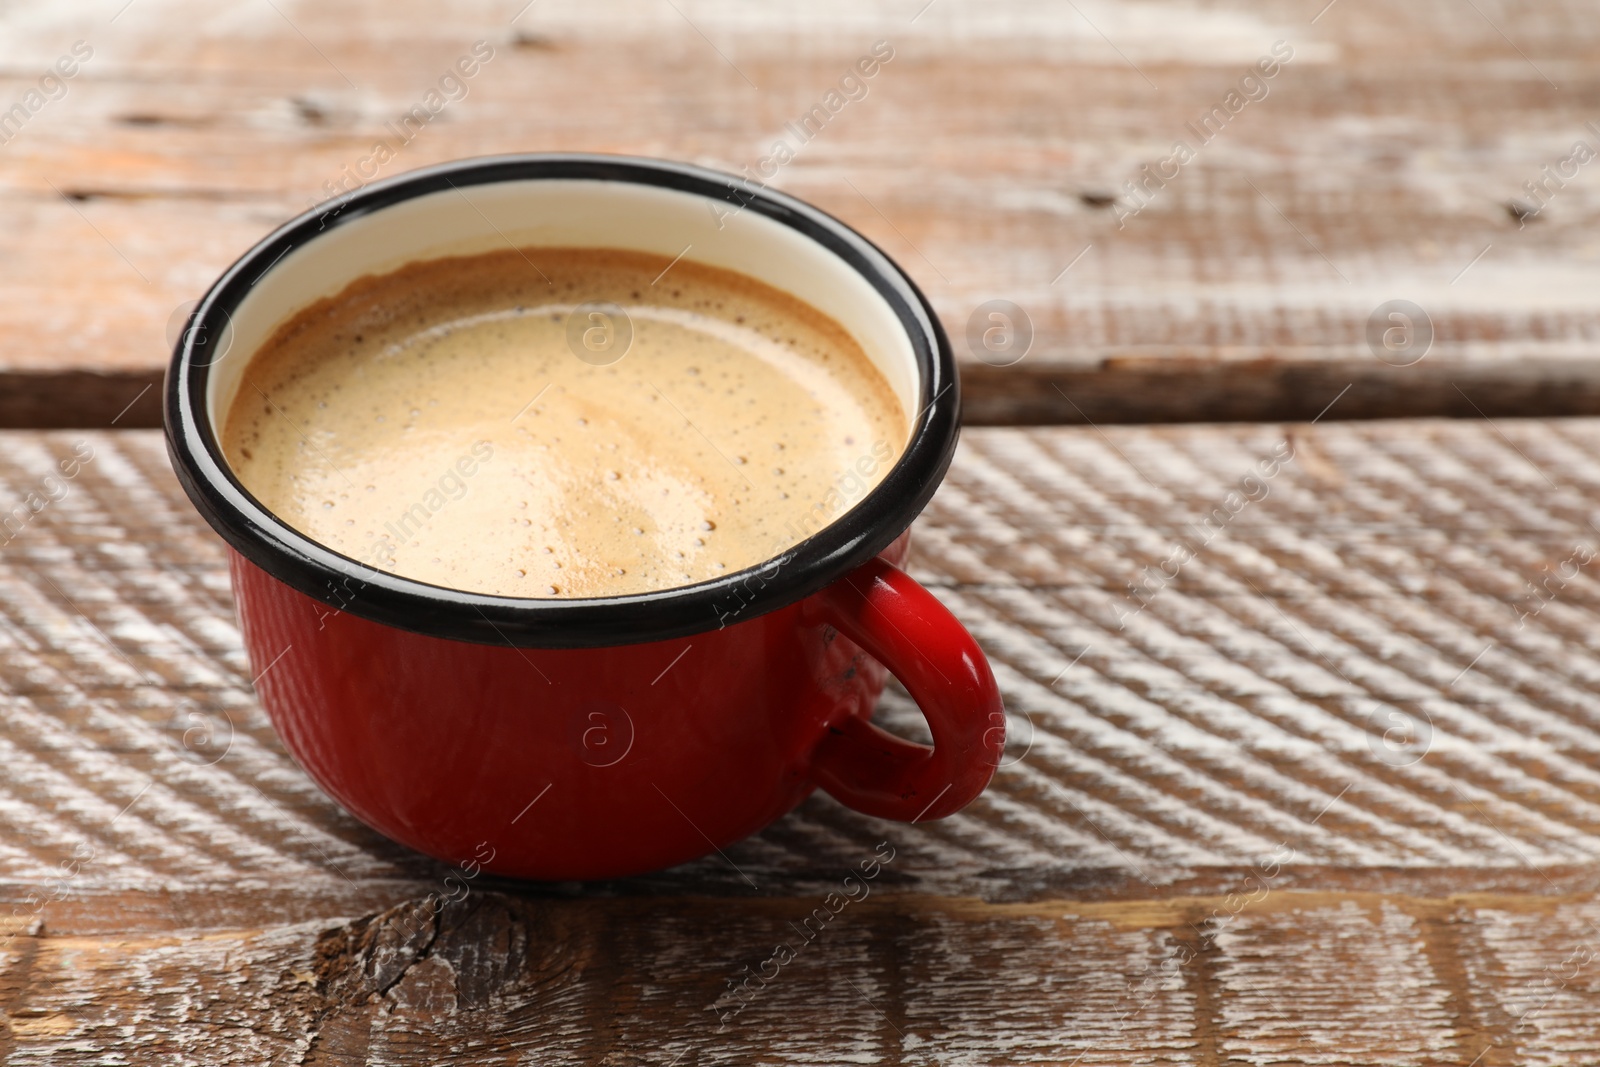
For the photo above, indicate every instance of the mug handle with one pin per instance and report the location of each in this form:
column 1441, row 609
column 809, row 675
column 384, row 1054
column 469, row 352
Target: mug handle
column 904, row 627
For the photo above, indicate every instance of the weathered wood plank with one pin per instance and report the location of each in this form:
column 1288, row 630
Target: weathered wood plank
column 1365, row 174
column 1294, row 977
column 1383, row 570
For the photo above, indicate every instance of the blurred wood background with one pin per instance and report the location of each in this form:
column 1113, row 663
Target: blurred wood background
column 1387, row 160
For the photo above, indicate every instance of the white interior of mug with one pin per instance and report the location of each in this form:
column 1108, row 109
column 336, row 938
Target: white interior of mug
column 585, row 213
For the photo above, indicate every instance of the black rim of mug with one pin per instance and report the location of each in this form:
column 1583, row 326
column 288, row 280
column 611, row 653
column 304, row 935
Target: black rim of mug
column 346, row 584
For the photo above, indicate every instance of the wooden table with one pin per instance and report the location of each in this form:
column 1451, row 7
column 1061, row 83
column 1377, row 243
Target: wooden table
column 1331, row 794
column 1322, row 799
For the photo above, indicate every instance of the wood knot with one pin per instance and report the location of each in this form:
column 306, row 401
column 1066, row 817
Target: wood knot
column 429, row 955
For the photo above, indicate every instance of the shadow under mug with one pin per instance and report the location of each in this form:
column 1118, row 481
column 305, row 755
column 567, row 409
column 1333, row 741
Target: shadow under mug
column 595, row 738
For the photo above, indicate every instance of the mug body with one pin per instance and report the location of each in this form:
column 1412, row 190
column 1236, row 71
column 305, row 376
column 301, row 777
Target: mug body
column 599, row 737
column 554, row 763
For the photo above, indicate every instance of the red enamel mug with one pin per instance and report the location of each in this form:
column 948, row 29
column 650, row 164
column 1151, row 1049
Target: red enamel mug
column 603, row 737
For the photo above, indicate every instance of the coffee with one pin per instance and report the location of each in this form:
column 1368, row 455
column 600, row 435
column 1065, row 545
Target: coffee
column 479, row 423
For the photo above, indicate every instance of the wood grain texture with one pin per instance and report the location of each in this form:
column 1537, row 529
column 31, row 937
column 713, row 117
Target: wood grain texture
column 1387, row 160
column 1300, row 978
column 1331, row 795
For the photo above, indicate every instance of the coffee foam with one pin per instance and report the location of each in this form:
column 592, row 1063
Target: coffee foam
column 437, row 423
